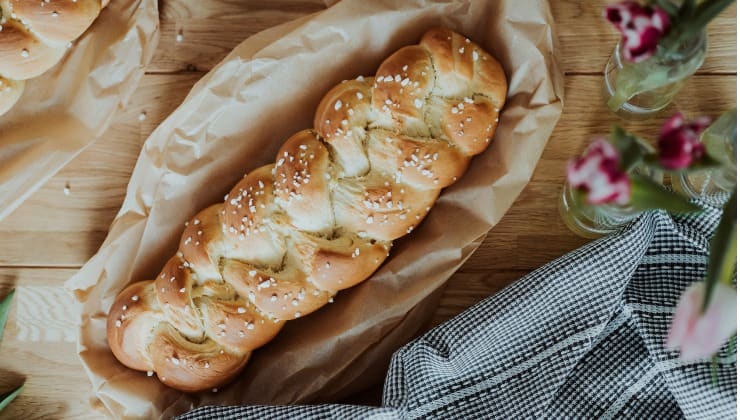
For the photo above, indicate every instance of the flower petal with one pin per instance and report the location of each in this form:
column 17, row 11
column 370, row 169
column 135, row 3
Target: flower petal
column 685, row 317
column 679, row 143
column 661, row 19
column 641, row 28
column 613, row 13
column 672, row 123
column 648, row 44
column 714, row 327
column 597, row 172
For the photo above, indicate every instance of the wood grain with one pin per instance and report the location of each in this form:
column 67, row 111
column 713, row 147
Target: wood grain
column 201, row 47
column 52, row 234
column 73, row 227
column 38, row 345
column 587, row 40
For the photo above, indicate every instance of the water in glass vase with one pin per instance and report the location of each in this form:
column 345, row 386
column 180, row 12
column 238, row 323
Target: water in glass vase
column 594, row 221
column 588, row 221
column 716, row 184
column 637, row 90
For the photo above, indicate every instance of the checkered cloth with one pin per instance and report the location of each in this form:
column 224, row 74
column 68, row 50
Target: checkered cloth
column 582, row 337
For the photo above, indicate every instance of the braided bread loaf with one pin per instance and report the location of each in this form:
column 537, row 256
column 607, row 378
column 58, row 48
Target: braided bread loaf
column 320, row 219
column 34, row 35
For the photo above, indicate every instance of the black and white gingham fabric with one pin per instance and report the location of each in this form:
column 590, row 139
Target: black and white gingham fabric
column 581, row 337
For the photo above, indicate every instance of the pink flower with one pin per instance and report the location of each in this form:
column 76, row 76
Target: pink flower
column 698, row 335
column 679, row 143
column 641, row 28
column 598, row 173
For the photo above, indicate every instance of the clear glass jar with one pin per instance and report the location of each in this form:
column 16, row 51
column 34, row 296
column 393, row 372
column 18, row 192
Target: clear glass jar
column 714, row 185
column 637, row 90
column 594, row 221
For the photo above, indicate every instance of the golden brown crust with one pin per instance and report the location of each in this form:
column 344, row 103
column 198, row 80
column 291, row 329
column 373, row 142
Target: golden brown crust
column 402, row 84
column 422, row 163
column 10, row 92
column 22, row 55
column 341, row 120
column 381, row 208
column 283, row 295
column 237, row 325
column 35, row 35
column 342, row 262
column 322, row 218
column 462, row 65
column 56, row 22
column 131, row 322
column 201, row 241
column 246, row 219
column 173, row 288
column 302, row 174
column 468, row 123
column 190, row 366
column 249, row 203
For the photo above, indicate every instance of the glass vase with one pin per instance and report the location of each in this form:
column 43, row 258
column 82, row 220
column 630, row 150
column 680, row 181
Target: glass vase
column 594, row 221
column 637, row 90
column 714, row 185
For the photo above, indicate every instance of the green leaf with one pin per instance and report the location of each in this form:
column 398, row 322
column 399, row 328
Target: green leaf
column 731, row 344
column 689, row 25
column 720, row 137
column 722, row 250
column 667, row 5
column 635, row 78
column 4, row 310
column 649, row 195
column 687, row 8
column 707, row 11
column 702, row 164
column 5, row 399
column 632, row 149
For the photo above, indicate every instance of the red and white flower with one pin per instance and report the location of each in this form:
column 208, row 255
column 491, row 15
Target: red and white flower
column 679, row 142
column 598, row 173
column 642, row 27
column 699, row 335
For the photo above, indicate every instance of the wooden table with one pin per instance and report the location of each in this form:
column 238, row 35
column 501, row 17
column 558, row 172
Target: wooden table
column 52, row 234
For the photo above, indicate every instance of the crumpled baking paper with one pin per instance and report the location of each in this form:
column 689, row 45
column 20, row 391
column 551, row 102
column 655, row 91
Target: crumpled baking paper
column 67, row 108
column 236, row 118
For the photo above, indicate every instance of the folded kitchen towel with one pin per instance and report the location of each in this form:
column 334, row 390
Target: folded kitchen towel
column 582, row 337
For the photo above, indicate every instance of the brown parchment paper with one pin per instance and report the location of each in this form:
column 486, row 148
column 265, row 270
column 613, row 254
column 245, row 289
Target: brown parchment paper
column 237, row 117
column 67, row 108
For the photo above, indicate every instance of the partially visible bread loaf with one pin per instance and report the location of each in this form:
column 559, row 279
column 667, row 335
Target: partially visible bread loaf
column 35, row 34
column 321, row 219
column 10, row 91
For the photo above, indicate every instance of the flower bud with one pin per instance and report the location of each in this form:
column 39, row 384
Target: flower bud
column 679, row 142
column 642, row 27
column 698, row 335
column 597, row 172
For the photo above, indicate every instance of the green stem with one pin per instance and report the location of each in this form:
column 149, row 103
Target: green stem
column 5, row 399
column 692, row 21
column 669, row 7
column 616, row 101
column 731, row 344
column 722, row 250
